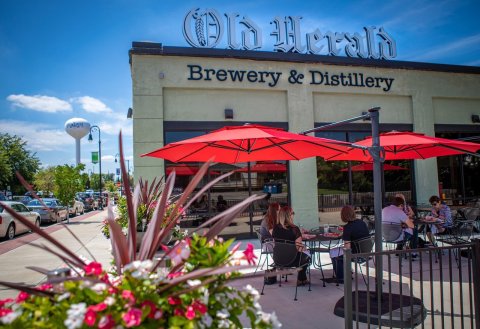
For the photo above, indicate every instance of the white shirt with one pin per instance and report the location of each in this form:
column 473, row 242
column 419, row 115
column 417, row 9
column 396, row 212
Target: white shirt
column 394, row 214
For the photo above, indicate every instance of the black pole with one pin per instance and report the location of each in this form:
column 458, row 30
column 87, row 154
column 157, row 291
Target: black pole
column 375, row 151
column 97, row 128
column 350, row 184
column 250, row 207
column 462, row 178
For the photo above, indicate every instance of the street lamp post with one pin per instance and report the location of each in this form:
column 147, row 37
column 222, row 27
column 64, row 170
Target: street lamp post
column 90, row 139
column 121, row 176
column 128, row 168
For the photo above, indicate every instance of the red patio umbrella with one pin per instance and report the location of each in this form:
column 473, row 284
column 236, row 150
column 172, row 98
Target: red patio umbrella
column 265, row 167
column 368, row 166
column 234, row 144
column 408, row 145
column 182, row 169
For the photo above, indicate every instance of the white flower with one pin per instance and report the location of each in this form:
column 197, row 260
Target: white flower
column 99, row 287
column 10, row 317
column 253, row 292
column 194, row 283
column 270, row 318
column 223, row 314
column 224, row 323
column 75, row 315
column 63, row 296
column 109, row 301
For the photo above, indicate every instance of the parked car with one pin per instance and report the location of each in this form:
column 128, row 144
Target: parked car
column 78, row 208
column 25, row 199
column 88, row 202
column 9, row 226
column 55, row 211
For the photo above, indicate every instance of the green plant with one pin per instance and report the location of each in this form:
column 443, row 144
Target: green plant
column 185, row 288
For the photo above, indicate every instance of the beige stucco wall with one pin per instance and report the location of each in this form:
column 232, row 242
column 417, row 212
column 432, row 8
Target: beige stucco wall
column 162, row 91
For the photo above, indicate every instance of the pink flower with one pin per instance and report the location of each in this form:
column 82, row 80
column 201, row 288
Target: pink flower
column 5, row 311
column 93, row 268
column 127, row 294
column 5, row 301
column 198, row 306
column 178, row 312
column 98, row 308
column 249, row 254
column 174, row 301
column 22, row 296
column 90, row 317
column 132, row 318
column 235, row 247
column 45, row 286
column 173, row 275
column 190, row 314
column 180, row 252
column 151, row 307
column 106, row 322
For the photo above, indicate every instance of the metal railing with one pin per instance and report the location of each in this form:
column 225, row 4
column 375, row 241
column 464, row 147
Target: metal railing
column 439, row 288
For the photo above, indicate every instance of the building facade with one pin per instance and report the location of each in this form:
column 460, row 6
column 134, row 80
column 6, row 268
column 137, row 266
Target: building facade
column 183, row 92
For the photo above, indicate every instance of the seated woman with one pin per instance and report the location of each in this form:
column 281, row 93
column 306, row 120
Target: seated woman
column 284, row 229
column 355, row 229
column 269, row 221
column 202, row 205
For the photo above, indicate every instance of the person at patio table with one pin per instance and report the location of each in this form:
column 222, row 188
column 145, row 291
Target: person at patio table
column 269, row 221
column 354, row 230
column 221, row 204
column 285, row 230
column 415, row 241
column 202, row 205
column 395, row 214
column 440, row 212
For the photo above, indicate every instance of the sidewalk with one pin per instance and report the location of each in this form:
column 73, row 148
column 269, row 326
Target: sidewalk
column 16, row 255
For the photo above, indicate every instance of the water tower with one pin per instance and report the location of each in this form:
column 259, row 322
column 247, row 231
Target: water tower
column 77, row 128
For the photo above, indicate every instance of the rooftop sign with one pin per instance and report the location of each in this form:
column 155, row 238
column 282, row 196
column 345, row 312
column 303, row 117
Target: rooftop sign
column 206, row 29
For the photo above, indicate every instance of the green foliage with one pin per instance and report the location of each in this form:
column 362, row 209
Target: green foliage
column 68, row 181
column 44, row 180
column 110, row 187
column 14, row 156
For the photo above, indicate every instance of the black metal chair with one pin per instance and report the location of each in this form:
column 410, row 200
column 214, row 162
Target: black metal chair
column 288, row 261
column 266, row 250
column 362, row 246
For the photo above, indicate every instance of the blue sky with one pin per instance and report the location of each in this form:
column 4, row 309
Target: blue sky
column 63, row 59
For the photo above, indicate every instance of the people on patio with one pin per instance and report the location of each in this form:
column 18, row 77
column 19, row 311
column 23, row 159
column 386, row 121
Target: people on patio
column 395, row 214
column 406, row 207
column 354, row 230
column 286, row 230
column 221, row 204
column 202, row 205
column 269, row 221
column 441, row 212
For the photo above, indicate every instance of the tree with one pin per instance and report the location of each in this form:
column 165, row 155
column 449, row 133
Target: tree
column 110, row 187
column 68, row 181
column 44, row 180
column 14, row 156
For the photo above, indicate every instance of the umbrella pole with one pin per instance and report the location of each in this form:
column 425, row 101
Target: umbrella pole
column 377, row 191
column 350, row 184
column 250, row 206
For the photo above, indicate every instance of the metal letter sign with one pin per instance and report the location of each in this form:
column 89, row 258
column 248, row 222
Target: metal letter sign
column 94, row 157
column 208, row 29
column 204, row 29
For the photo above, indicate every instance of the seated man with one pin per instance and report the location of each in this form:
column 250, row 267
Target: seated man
column 441, row 212
column 395, row 214
column 221, row 204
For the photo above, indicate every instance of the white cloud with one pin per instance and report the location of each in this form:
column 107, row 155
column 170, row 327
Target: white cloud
column 39, row 137
column 92, row 105
column 451, row 48
column 40, row 103
column 115, row 123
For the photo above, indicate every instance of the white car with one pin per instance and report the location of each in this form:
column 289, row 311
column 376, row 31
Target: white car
column 78, row 208
column 9, row 226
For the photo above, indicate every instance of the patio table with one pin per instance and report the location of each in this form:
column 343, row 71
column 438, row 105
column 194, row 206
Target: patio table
column 319, row 242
